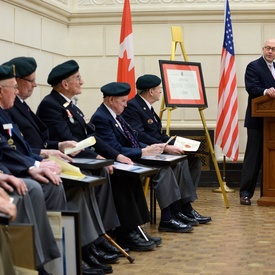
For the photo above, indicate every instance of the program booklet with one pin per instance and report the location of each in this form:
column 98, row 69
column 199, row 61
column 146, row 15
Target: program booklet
column 187, row 144
column 90, row 141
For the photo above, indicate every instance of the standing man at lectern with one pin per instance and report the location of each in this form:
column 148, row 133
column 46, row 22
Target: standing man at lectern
column 259, row 80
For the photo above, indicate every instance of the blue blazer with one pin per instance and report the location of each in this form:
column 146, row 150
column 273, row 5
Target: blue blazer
column 257, row 78
column 35, row 132
column 55, row 112
column 21, row 145
column 108, row 130
column 12, row 161
column 142, row 120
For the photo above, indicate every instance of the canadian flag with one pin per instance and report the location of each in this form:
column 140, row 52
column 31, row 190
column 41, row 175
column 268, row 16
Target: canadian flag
column 126, row 67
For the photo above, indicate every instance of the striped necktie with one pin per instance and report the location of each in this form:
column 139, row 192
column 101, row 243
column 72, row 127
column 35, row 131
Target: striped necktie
column 128, row 134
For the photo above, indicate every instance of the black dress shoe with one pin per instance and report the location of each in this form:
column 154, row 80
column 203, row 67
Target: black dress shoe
column 174, row 225
column 102, row 256
column 135, row 242
column 156, row 240
column 195, row 215
column 87, row 270
column 109, row 248
column 180, row 216
column 42, row 271
column 94, row 263
column 245, row 201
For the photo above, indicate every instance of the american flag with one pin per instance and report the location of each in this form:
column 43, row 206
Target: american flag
column 227, row 132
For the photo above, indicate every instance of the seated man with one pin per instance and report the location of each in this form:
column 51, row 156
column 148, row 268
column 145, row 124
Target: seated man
column 140, row 114
column 26, row 161
column 9, row 209
column 168, row 184
column 29, row 195
column 65, row 121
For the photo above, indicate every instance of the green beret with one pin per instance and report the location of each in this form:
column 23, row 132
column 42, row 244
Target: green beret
column 147, row 81
column 62, row 71
column 116, row 89
column 24, row 66
column 6, row 72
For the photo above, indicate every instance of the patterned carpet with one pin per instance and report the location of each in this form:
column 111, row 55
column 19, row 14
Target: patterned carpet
column 240, row 240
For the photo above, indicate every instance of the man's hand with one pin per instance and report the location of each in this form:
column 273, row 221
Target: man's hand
column 123, row 159
column 153, row 150
column 6, row 206
column 50, row 164
column 45, row 153
column 270, row 92
column 44, row 175
column 109, row 168
column 173, row 150
column 68, row 144
column 9, row 183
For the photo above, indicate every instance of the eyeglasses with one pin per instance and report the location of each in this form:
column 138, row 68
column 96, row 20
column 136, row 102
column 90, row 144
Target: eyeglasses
column 29, row 80
column 15, row 87
column 270, row 48
column 78, row 78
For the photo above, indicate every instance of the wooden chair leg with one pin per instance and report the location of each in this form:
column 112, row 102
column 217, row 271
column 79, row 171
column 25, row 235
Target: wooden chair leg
column 146, row 186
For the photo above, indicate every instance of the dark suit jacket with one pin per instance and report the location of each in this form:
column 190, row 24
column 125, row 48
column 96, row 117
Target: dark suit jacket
column 35, row 132
column 141, row 119
column 108, row 129
column 257, row 78
column 21, row 145
column 55, row 112
column 14, row 161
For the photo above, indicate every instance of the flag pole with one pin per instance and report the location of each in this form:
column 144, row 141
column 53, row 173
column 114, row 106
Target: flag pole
column 226, row 188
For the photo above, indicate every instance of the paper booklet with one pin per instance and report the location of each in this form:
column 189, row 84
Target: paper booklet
column 68, row 171
column 187, row 144
column 90, row 141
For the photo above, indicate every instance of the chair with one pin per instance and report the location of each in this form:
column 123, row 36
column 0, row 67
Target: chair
column 153, row 201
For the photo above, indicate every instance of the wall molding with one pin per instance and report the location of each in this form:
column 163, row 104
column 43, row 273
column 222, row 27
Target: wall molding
column 88, row 12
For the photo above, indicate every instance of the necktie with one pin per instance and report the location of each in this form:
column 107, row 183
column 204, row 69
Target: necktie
column 26, row 106
column 271, row 68
column 129, row 135
column 154, row 114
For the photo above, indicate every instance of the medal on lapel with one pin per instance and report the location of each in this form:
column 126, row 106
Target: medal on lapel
column 70, row 116
column 150, row 121
column 10, row 140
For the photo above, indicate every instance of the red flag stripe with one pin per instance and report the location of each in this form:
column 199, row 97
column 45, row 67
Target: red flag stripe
column 227, row 132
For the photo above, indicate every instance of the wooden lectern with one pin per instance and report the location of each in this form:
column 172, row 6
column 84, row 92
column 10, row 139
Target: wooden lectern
column 264, row 106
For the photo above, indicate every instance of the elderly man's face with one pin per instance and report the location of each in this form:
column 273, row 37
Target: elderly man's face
column 118, row 103
column 8, row 91
column 26, row 85
column 74, row 84
column 155, row 93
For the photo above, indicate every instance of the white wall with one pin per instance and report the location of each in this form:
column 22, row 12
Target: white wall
column 52, row 31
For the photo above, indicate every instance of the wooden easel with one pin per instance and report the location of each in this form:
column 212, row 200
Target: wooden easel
column 177, row 39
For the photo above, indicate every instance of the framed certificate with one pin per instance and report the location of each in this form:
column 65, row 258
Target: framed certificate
column 183, row 84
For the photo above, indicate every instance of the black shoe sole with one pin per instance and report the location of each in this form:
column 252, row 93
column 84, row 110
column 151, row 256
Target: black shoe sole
column 165, row 229
column 204, row 222
column 140, row 249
